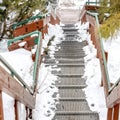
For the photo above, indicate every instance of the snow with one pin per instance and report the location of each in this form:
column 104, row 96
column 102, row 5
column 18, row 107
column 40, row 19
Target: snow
column 8, row 107
column 47, row 94
column 45, row 103
column 22, row 63
column 94, row 92
column 112, row 46
column 22, row 44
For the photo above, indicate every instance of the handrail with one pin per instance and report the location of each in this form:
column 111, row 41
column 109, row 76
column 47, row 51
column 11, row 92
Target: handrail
column 21, row 37
column 13, row 72
column 37, row 52
column 36, row 64
column 110, row 88
column 14, row 26
column 102, row 49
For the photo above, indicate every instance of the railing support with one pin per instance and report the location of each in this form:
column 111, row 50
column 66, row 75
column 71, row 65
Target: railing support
column 110, row 114
column 116, row 112
column 16, row 110
column 1, row 107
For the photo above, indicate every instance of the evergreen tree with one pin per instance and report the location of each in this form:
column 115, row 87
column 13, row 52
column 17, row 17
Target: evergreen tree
column 110, row 22
column 12, row 11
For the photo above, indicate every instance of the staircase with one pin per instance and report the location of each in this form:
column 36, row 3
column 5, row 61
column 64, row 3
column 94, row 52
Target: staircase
column 72, row 102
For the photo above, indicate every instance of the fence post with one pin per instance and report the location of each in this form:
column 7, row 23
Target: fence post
column 116, row 112
column 1, row 107
column 16, row 110
column 110, row 114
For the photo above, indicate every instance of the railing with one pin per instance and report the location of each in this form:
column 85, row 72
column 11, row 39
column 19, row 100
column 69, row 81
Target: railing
column 102, row 49
column 38, row 42
column 112, row 91
column 14, row 73
column 110, row 88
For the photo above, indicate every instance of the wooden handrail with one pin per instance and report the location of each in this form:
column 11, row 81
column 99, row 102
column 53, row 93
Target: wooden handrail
column 102, row 54
column 37, row 59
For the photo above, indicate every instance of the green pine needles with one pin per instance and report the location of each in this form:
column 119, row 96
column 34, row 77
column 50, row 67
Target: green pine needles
column 109, row 24
column 12, row 11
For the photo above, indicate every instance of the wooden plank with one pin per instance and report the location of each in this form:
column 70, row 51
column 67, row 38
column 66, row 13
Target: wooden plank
column 119, row 111
column 38, row 25
column 16, row 110
column 110, row 114
column 116, row 112
column 19, row 31
column 114, row 97
column 1, row 107
column 12, row 87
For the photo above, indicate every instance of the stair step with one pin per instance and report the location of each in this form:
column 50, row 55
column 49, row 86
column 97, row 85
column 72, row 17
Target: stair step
column 69, row 28
column 73, row 115
column 71, row 33
column 70, row 65
column 69, row 56
column 71, row 44
column 70, row 48
column 70, row 75
column 71, row 86
column 65, row 65
column 74, row 92
column 69, row 71
column 70, row 105
column 70, row 81
column 72, row 99
column 65, row 60
column 69, row 52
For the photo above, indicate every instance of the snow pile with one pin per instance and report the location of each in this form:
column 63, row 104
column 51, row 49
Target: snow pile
column 21, row 62
column 94, row 92
column 47, row 96
column 53, row 30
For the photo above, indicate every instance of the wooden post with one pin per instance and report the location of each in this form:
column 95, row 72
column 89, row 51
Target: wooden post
column 116, row 112
column 110, row 114
column 119, row 111
column 1, row 107
column 27, row 114
column 16, row 110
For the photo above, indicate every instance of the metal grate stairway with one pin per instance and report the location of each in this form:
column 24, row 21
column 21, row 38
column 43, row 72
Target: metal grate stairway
column 72, row 103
